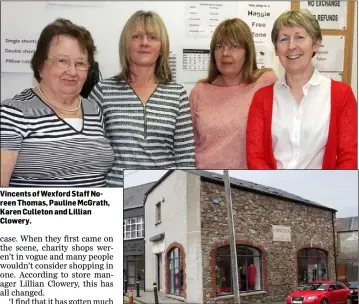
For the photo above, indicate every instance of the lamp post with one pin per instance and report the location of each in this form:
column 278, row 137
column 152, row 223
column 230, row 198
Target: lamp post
column 232, row 237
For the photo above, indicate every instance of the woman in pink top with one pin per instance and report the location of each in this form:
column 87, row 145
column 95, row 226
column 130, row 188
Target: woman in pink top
column 220, row 103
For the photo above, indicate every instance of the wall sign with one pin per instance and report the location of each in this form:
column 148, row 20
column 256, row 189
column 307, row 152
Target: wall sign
column 281, row 233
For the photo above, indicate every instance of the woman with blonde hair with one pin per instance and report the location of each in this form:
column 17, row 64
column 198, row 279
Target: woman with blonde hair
column 304, row 120
column 220, row 103
column 147, row 115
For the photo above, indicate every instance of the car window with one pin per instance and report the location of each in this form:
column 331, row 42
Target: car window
column 353, row 284
column 322, row 287
column 311, row 287
column 340, row 286
column 332, row 286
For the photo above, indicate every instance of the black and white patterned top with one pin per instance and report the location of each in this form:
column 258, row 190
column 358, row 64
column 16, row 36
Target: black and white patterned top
column 51, row 152
column 155, row 135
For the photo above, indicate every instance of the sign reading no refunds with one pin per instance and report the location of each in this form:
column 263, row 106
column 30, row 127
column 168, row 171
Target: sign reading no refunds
column 331, row 15
column 281, row 233
column 16, row 52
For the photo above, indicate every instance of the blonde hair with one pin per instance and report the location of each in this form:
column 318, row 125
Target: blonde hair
column 147, row 20
column 301, row 18
column 235, row 31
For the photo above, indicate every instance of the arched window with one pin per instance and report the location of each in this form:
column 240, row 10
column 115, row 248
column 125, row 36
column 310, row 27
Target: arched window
column 249, row 269
column 175, row 272
column 312, row 265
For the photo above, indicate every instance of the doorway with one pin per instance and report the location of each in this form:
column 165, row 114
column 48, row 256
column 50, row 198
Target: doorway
column 159, row 266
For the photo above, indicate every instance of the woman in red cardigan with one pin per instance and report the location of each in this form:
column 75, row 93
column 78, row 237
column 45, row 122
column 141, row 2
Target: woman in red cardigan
column 304, row 120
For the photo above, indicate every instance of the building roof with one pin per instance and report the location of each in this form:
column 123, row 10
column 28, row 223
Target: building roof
column 347, row 224
column 134, row 197
column 246, row 185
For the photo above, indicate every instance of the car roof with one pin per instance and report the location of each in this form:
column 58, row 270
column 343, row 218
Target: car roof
column 321, row 282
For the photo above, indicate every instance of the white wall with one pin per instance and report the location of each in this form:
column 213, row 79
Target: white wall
column 105, row 24
column 174, row 220
column 194, row 261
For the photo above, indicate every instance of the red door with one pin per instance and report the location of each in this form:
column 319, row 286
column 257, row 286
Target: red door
column 333, row 295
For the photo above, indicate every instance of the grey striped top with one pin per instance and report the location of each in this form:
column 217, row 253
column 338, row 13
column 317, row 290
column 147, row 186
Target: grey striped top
column 155, row 135
column 51, row 152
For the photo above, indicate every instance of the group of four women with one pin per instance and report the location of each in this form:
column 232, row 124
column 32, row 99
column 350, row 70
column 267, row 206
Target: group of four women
column 239, row 117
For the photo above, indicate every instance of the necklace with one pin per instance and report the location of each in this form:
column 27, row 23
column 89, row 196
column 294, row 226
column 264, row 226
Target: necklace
column 56, row 106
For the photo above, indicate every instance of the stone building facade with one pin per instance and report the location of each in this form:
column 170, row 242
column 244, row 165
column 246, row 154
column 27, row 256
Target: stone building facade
column 254, row 215
column 283, row 240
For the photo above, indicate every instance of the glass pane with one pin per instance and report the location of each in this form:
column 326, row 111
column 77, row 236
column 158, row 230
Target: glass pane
column 223, row 276
column 133, row 234
column 243, row 273
column 303, row 273
column 141, row 269
column 254, row 271
column 128, row 235
column 241, row 250
column 312, row 252
column 322, row 269
column 223, row 251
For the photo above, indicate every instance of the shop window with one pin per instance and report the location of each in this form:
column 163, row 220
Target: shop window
column 312, row 265
column 249, row 270
column 133, row 228
column 158, row 213
column 175, row 272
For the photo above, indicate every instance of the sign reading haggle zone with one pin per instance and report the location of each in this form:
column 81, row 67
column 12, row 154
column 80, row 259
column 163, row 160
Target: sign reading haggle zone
column 16, row 52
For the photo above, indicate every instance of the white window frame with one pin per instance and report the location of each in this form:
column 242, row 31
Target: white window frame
column 133, row 226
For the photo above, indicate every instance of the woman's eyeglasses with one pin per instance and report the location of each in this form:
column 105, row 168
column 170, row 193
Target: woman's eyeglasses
column 64, row 63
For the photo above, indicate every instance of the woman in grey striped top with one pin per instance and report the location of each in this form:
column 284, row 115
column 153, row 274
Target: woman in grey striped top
column 147, row 116
column 50, row 136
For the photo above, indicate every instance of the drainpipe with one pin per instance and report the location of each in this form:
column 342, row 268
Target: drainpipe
column 335, row 249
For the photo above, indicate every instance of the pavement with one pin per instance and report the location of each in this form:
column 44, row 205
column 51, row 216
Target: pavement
column 147, row 297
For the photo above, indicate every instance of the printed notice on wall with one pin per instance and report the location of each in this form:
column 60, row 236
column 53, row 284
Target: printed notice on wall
column 330, row 57
column 61, row 246
column 173, row 63
column 195, row 64
column 16, row 52
column 203, row 17
column 331, row 15
column 260, row 16
column 265, row 56
column 281, row 233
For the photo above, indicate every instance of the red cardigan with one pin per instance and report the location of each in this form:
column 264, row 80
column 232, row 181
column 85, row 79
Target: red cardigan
column 341, row 150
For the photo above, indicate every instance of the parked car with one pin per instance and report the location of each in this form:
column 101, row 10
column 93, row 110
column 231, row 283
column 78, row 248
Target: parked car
column 354, row 286
column 321, row 292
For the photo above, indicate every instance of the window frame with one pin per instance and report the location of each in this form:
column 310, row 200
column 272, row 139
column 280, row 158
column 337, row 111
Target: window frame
column 174, row 256
column 256, row 254
column 139, row 228
column 158, row 213
column 305, row 254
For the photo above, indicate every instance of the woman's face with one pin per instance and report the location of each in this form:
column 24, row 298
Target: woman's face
column 62, row 80
column 229, row 58
column 144, row 47
column 294, row 48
